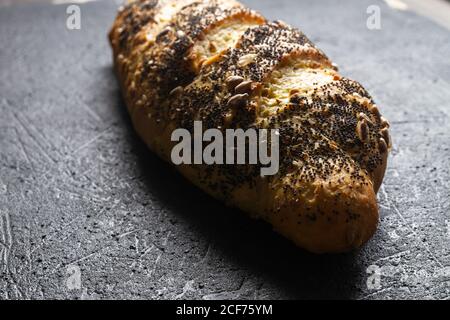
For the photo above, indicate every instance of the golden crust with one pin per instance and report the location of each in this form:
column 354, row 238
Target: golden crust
column 334, row 143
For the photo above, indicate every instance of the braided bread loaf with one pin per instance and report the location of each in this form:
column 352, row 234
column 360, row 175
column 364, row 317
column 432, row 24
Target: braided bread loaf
column 179, row 61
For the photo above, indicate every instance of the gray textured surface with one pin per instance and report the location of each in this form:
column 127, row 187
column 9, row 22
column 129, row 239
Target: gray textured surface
column 77, row 187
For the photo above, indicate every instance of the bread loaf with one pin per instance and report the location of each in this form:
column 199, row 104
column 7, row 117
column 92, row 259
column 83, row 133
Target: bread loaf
column 180, row 61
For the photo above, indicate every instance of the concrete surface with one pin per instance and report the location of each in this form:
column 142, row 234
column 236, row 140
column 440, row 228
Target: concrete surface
column 80, row 192
column 437, row 10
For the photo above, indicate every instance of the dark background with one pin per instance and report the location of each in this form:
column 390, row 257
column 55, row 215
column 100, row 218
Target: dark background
column 78, row 188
